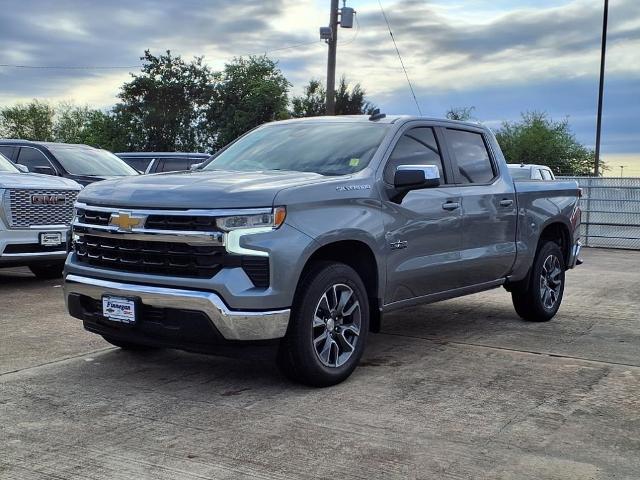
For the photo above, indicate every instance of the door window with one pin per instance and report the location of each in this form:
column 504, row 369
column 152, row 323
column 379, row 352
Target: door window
column 32, row 158
column 417, row 146
column 7, row 151
column 471, row 155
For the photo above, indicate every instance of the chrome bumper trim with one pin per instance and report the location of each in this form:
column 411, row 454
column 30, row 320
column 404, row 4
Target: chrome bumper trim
column 233, row 325
column 173, row 236
column 36, row 254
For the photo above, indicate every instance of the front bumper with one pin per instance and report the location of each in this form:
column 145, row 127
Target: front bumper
column 20, row 247
column 231, row 324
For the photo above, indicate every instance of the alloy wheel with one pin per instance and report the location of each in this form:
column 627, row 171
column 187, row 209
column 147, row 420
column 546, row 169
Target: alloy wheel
column 336, row 325
column 550, row 281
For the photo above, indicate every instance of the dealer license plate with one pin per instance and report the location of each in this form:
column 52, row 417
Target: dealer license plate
column 50, row 239
column 119, row 309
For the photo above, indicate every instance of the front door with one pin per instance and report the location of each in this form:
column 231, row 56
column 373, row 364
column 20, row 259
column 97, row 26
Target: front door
column 424, row 229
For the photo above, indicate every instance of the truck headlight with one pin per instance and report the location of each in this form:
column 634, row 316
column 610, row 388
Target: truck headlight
column 272, row 219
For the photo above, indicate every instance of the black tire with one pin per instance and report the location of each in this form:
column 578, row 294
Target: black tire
column 307, row 357
column 47, row 271
column 127, row 345
column 540, row 301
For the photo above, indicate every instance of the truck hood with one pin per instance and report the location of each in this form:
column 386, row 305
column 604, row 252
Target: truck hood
column 35, row 180
column 212, row 189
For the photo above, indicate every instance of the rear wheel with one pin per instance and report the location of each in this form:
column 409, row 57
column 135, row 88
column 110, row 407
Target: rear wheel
column 127, row 345
column 328, row 327
column 540, row 301
column 47, row 271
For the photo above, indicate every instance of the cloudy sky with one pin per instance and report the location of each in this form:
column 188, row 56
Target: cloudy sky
column 501, row 56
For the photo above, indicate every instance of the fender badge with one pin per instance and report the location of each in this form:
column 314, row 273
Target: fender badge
column 346, row 188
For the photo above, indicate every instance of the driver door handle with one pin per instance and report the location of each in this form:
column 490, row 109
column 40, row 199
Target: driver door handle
column 506, row 202
column 451, row 205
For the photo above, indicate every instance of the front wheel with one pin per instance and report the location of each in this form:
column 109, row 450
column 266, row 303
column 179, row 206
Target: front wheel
column 328, row 327
column 541, row 300
column 47, row 271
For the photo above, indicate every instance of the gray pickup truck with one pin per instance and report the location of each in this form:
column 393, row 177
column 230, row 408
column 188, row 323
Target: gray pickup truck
column 306, row 232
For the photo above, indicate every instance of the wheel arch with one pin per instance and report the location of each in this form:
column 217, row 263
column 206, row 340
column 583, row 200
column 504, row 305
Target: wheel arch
column 360, row 256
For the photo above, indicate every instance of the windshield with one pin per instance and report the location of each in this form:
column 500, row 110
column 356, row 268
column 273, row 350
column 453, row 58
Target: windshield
column 520, row 173
column 324, row 148
column 78, row 160
column 6, row 165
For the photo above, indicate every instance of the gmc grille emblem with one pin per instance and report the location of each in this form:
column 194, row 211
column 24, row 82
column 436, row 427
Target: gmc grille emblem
column 48, row 199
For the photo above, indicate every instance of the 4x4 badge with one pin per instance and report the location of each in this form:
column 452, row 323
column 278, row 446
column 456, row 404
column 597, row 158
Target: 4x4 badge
column 398, row 245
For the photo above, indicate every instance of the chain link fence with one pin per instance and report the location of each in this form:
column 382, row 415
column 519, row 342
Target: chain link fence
column 610, row 211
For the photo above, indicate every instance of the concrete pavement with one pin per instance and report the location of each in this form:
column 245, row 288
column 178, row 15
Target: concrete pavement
column 457, row 390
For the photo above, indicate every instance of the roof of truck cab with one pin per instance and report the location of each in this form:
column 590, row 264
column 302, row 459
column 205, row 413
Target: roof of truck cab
column 17, row 141
column 164, row 154
column 386, row 119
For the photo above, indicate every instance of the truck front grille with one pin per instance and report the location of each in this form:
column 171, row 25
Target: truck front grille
column 158, row 258
column 29, row 207
column 194, row 223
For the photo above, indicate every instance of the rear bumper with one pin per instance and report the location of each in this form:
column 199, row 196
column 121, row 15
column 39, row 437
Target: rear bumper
column 82, row 293
column 574, row 258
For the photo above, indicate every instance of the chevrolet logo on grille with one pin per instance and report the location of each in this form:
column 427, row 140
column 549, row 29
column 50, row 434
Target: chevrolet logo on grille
column 125, row 221
column 48, row 199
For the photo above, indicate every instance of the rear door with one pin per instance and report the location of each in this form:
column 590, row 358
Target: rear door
column 489, row 211
column 424, row 229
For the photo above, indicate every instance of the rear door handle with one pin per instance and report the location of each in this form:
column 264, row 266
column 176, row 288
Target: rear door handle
column 450, row 205
column 506, row 202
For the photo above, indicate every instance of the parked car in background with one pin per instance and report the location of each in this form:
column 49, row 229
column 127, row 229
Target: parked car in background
column 309, row 231
column 35, row 214
column 156, row 162
column 522, row 171
column 81, row 163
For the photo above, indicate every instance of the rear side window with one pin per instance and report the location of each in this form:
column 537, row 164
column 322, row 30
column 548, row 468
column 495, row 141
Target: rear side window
column 175, row 164
column 546, row 174
column 471, row 155
column 139, row 163
column 417, row 146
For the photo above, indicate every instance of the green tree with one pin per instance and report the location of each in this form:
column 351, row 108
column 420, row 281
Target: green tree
column 70, row 122
column 33, row 121
column 164, row 108
column 460, row 113
column 538, row 139
column 349, row 100
column 248, row 92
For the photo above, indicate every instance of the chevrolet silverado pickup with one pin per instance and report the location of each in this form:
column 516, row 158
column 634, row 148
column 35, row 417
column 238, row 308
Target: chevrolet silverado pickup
column 307, row 232
column 35, row 214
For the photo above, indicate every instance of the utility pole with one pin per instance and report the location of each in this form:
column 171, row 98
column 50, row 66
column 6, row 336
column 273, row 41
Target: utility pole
column 601, row 87
column 331, row 60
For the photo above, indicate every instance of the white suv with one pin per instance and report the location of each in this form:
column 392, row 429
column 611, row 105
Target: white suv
column 35, row 214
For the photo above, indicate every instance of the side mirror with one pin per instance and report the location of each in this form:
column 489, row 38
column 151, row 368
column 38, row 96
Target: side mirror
column 44, row 170
column 195, row 166
column 414, row 177
column 22, row 168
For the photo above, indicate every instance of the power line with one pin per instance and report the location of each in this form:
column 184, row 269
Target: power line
column 115, row 67
column 400, row 57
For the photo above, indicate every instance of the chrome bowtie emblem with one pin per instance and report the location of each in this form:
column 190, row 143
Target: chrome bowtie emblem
column 125, row 221
column 398, row 244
